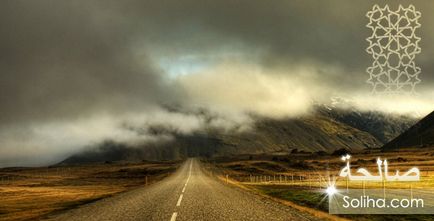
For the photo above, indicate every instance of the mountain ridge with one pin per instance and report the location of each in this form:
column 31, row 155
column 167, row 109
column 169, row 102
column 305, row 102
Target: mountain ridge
column 420, row 134
column 325, row 129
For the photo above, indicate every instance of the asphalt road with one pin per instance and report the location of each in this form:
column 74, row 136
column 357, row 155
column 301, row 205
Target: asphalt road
column 188, row 194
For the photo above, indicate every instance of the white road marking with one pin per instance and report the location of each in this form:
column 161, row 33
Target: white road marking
column 189, row 175
column 179, row 200
column 174, row 216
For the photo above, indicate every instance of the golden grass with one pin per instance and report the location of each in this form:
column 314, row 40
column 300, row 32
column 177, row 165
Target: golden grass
column 245, row 173
column 34, row 193
column 320, row 169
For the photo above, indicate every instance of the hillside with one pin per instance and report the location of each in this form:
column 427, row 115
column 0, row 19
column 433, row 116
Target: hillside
column 421, row 134
column 324, row 129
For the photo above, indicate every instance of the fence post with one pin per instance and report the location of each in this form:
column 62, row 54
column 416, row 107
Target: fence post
column 308, row 178
column 411, row 192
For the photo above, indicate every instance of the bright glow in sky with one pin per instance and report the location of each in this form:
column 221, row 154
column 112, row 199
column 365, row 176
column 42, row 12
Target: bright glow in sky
column 183, row 65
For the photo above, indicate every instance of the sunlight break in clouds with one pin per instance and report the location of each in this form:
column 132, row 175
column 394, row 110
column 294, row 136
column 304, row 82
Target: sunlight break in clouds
column 246, row 88
column 74, row 73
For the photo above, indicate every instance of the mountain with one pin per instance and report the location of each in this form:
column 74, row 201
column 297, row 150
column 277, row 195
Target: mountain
column 325, row 129
column 421, row 134
column 109, row 151
column 383, row 127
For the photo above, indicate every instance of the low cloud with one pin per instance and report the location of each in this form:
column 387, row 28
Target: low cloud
column 74, row 74
column 250, row 88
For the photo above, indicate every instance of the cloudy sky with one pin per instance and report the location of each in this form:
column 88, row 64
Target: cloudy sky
column 74, row 73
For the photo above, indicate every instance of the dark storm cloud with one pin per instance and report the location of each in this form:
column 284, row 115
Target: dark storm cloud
column 72, row 71
column 330, row 32
column 60, row 59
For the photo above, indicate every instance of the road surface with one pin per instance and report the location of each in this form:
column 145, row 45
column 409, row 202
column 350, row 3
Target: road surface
column 188, row 194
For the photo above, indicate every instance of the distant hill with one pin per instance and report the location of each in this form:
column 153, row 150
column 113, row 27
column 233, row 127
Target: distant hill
column 325, row 129
column 384, row 127
column 421, row 134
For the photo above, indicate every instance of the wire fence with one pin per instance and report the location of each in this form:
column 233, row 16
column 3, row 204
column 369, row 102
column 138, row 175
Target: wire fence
column 315, row 179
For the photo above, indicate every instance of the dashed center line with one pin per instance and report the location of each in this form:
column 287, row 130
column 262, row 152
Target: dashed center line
column 179, row 200
column 174, row 216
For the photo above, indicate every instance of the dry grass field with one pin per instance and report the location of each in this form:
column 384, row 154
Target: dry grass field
column 305, row 169
column 302, row 178
column 34, row 193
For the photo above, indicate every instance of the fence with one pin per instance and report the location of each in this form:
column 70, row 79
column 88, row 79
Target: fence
column 315, row 179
